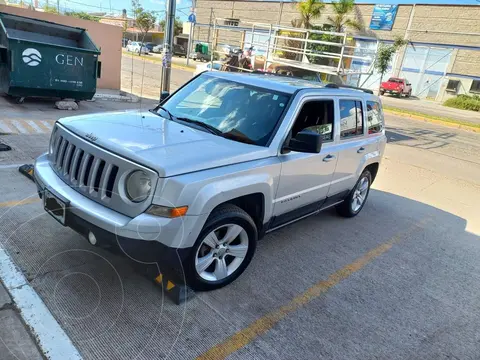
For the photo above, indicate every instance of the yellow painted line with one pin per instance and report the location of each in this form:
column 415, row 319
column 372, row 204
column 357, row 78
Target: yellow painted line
column 13, row 203
column 267, row 322
column 433, row 121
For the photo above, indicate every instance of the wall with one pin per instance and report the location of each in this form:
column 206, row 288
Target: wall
column 107, row 37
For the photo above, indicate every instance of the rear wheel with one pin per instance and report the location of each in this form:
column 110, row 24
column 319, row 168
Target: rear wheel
column 409, row 94
column 382, row 92
column 357, row 198
column 223, row 250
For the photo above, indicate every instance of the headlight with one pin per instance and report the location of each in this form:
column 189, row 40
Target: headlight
column 138, row 186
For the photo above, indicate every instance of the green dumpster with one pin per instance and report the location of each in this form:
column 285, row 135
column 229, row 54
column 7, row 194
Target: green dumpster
column 41, row 58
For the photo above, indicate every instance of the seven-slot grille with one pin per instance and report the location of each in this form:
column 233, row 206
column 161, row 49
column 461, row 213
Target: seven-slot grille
column 83, row 170
column 94, row 172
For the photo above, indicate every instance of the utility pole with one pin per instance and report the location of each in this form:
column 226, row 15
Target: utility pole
column 58, row 6
column 190, row 36
column 168, row 45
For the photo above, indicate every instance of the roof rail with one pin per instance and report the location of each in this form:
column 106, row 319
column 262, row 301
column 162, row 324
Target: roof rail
column 336, row 86
column 256, row 71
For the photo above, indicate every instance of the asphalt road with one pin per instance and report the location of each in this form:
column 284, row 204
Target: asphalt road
column 400, row 281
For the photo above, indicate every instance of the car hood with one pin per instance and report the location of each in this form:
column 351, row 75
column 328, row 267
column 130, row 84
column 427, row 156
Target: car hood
column 163, row 145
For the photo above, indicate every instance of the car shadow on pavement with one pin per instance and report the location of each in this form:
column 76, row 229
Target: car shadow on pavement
column 427, row 280
column 419, row 138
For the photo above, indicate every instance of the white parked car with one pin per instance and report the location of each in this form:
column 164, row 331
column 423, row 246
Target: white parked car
column 217, row 65
column 224, row 160
column 136, row 47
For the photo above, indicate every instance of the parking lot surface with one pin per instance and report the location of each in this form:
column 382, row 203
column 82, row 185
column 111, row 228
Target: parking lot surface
column 399, row 281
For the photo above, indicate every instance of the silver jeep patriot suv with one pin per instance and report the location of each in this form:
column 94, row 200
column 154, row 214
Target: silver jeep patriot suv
column 219, row 163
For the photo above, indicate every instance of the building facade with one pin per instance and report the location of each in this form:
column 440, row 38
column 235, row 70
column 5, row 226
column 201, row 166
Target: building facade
column 442, row 61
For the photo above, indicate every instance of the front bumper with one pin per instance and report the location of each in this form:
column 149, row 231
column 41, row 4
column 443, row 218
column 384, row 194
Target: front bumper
column 144, row 230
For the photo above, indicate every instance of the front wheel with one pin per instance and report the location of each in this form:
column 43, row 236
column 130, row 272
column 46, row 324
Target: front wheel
column 357, row 198
column 223, row 249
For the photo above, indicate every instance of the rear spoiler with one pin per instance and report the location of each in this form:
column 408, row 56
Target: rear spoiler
column 336, row 86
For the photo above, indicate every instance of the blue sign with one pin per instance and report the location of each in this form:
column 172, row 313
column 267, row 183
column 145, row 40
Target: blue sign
column 383, row 17
column 192, row 18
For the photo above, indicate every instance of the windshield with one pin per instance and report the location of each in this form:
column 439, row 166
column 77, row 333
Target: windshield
column 240, row 112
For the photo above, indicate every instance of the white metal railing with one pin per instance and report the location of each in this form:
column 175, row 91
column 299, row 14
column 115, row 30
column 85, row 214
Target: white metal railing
column 279, row 39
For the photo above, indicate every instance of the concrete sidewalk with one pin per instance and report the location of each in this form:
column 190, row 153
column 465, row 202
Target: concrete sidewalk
column 431, row 108
column 15, row 341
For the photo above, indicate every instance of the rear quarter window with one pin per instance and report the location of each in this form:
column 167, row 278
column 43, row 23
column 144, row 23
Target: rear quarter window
column 375, row 120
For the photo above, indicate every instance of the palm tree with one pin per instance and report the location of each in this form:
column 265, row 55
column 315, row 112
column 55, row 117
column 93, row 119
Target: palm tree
column 310, row 10
column 339, row 20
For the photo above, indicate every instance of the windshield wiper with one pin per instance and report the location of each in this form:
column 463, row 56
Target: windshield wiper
column 210, row 128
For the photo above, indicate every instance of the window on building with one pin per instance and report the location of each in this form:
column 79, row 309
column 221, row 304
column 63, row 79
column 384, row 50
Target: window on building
column 231, row 22
column 475, row 88
column 351, row 118
column 453, row 85
column 318, row 117
column 374, row 117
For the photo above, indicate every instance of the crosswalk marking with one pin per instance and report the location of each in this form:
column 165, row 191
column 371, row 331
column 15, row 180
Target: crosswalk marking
column 47, row 124
column 19, row 126
column 4, row 128
column 26, row 127
column 34, row 126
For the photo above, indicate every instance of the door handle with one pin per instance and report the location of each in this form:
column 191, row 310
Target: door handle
column 361, row 150
column 328, row 158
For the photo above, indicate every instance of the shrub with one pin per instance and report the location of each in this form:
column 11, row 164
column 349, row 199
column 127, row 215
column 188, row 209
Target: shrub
column 464, row 102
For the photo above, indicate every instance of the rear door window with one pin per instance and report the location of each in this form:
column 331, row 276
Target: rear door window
column 351, row 118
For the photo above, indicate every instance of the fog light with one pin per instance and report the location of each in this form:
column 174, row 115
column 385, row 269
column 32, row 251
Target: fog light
column 91, row 238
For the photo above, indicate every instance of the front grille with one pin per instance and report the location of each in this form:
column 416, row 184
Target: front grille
column 94, row 172
column 83, row 170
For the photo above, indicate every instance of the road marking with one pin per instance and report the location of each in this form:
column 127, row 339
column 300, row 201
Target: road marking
column 19, row 126
column 4, row 127
column 30, row 200
column 52, row 339
column 268, row 321
column 47, row 124
column 35, row 127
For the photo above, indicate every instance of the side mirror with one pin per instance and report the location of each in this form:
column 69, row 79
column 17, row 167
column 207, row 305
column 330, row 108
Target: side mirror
column 164, row 95
column 306, row 142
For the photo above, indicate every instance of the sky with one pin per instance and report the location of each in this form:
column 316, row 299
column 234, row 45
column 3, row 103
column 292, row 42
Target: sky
column 183, row 6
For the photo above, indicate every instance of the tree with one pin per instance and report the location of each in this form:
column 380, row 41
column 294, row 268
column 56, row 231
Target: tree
column 310, row 10
column 177, row 28
column 137, row 9
column 145, row 22
column 82, row 15
column 50, row 9
column 339, row 20
column 385, row 54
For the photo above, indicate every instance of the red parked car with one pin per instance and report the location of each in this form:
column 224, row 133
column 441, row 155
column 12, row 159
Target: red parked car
column 397, row 87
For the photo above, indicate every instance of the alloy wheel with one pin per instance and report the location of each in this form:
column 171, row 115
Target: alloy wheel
column 221, row 252
column 359, row 194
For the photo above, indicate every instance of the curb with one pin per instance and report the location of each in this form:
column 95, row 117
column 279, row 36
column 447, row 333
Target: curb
column 434, row 121
column 117, row 98
column 51, row 338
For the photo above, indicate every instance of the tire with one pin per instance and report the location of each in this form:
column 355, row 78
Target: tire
column 350, row 209
column 225, row 218
column 409, row 94
column 382, row 93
